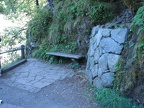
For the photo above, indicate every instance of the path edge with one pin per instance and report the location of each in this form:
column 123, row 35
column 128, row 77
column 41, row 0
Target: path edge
column 12, row 66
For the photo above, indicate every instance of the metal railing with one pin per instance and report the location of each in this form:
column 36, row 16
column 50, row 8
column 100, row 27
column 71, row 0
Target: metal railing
column 22, row 48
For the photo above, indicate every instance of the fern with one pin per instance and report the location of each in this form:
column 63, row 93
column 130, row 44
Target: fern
column 138, row 20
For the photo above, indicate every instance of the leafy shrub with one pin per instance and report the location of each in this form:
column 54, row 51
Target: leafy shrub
column 138, row 20
column 39, row 25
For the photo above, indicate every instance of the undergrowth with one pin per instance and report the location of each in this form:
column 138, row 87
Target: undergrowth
column 129, row 74
column 68, row 25
column 137, row 27
column 138, row 21
column 109, row 98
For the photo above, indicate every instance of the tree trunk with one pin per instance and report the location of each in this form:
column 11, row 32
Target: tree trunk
column 37, row 2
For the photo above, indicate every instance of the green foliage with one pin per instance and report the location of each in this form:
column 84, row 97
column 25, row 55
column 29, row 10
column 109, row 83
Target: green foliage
column 119, row 72
column 129, row 67
column 109, row 98
column 41, row 52
column 138, row 28
column 138, row 20
column 129, row 73
column 38, row 27
column 141, row 47
column 99, row 12
column 1, row 7
column 12, row 37
column 16, row 7
column 96, row 11
column 68, row 21
column 18, row 11
column 74, row 65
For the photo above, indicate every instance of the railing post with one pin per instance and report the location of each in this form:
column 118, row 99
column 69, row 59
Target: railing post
column 22, row 51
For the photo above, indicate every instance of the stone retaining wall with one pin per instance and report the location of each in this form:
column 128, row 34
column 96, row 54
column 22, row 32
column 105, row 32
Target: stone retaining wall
column 104, row 52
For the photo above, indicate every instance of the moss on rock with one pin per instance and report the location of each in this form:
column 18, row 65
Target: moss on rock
column 130, row 74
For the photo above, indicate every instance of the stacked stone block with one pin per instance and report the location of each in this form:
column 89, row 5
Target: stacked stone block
column 104, row 52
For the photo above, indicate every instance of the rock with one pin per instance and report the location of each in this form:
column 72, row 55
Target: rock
column 89, row 68
column 95, row 71
column 112, row 61
column 106, row 32
column 92, row 62
column 98, row 36
column 94, row 30
column 107, row 79
column 94, row 46
column 119, row 35
column 91, row 51
column 89, row 76
column 103, row 62
column 103, row 55
column 101, row 71
column 97, row 83
column 110, row 46
column 97, row 54
column 91, row 41
column 88, row 64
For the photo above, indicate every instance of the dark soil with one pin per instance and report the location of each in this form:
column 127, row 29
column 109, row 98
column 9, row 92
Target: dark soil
column 75, row 92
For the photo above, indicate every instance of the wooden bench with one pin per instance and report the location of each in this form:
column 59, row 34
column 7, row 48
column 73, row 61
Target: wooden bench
column 65, row 55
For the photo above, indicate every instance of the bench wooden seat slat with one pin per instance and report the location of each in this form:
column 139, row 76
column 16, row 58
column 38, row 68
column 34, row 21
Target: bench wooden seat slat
column 73, row 56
